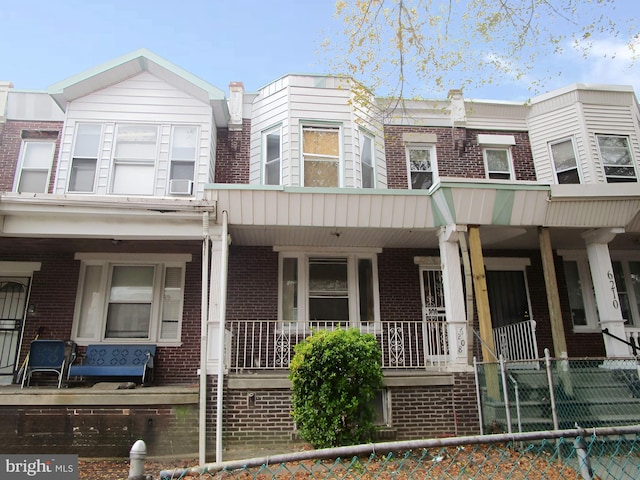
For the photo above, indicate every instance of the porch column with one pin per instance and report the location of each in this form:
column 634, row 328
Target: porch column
column 213, row 322
column 453, row 293
column 604, row 285
column 553, row 297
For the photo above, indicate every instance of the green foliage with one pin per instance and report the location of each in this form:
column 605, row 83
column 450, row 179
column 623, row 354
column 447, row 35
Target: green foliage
column 334, row 377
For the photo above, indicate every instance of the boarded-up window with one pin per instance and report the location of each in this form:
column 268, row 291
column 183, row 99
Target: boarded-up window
column 321, row 153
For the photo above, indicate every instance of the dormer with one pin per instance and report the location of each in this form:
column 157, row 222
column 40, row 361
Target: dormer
column 138, row 126
column 586, row 134
column 308, row 131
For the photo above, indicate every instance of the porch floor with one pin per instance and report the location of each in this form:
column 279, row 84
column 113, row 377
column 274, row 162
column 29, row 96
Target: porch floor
column 103, row 393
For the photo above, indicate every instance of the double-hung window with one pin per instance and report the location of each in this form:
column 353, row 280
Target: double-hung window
column 132, row 297
column 134, row 160
column 321, row 156
column 616, row 158
column 272, row 155
column 85, row 157
column 498, row 164
column 565, row 165
column 36, row 158
column 421, row 163
column 328, row 290
column 184, row 143
column 367, row 160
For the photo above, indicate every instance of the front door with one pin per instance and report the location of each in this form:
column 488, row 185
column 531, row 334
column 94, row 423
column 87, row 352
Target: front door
column 13, row 303
column 434, row 328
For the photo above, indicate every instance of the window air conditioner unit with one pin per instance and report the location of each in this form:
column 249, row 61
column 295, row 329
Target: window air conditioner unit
column 180, row 187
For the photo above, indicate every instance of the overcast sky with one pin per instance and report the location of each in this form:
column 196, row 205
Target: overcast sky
column 252, row 41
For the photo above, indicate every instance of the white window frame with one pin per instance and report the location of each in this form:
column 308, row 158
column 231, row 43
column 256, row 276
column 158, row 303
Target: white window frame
column 352, row 279
column 632, row 163
column 432, row 159
column 334, row 127
column 587, row 291
column 634, row 321
column 372, row 142
column 488, row 172
column 24, row 147
column 575, row 158
column 177, row 160
column 144, row 162
column 265, row 148
column 75, row 157
column 100, row 301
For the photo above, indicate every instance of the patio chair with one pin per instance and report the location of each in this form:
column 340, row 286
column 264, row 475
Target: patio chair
column 45, row 356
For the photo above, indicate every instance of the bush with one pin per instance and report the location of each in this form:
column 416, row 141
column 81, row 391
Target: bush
column 335, row 377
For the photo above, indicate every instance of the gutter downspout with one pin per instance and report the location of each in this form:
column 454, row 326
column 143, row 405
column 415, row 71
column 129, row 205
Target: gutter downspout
column 224, row 261
column 204, row 313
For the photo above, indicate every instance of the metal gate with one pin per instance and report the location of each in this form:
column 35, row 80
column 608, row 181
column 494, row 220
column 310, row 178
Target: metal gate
column 13, row 301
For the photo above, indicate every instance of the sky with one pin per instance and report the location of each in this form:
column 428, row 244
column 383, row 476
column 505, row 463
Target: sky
column 221, row 41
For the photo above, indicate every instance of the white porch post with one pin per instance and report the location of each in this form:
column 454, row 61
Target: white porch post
column 604, row 285
column 453, row 294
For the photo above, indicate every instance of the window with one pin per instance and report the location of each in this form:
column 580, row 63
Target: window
column 321, row 156
column 134, row 160
column 184, row 142
column 627, row 277
column 130, row 297
column 85, row 157
column 497, row 163
column 366, row 160
column 35, row 166
column 337, row 290
column 563, row 156
column 584, row 313
column 616, row 158
column 272, row 148
column 421, row 163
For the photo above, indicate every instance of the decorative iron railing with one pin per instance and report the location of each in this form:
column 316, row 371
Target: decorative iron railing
column 269, row 345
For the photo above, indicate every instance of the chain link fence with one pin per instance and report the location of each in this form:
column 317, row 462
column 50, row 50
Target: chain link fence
column 557, row 393
column 607, row 453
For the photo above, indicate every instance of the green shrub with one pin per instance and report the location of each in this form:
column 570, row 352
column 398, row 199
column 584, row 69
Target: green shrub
column 335, row 377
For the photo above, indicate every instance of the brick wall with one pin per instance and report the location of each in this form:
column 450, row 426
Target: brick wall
column 451, row 160
column 100, row 431
column 11, row 140
column 232, row 155
column 55, row 285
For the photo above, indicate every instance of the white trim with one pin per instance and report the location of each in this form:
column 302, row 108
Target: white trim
column 20, row 167
column 263, row 153
column 326, row 250
column 19, row 269
column 329, row 127
column 432, row 158
column 575, row 157
column 496, row 140
column 362, row 134
column 135, row 257
column 507, row 263
column 488, row 172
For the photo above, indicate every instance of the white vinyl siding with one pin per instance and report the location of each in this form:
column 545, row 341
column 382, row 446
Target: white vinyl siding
column 140, row 100
column 298, row 101
column 34, row 170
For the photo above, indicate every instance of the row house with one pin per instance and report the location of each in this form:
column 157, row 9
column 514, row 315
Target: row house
column 139, row 204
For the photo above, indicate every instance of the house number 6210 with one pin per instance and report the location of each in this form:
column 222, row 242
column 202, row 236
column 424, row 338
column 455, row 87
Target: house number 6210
column 614, row 293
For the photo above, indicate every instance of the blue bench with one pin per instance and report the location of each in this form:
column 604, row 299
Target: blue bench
column 135, row 361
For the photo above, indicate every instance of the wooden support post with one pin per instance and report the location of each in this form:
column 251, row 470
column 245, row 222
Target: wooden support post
column 553, row 297
column 484, row 313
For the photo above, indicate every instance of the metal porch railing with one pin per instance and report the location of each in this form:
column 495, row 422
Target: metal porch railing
column 516, row 341
column 269, row 345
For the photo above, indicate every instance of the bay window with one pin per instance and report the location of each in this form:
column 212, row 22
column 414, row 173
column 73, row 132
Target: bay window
column 367, row 160
column 321, row 156
column 616, row 158
column 563, row 156
column 272, row 153
column 84, row 160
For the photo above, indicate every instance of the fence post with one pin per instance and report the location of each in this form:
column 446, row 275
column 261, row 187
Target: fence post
column 552, row 393
column 507, row 406
column 582, row 456
column 137, row 455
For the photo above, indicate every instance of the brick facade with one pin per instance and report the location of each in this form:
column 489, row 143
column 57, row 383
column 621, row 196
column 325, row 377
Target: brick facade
column 232, row 155
column 11, row 140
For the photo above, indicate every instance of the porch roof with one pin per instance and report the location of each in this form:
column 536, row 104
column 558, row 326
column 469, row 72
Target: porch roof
column 510, row 213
